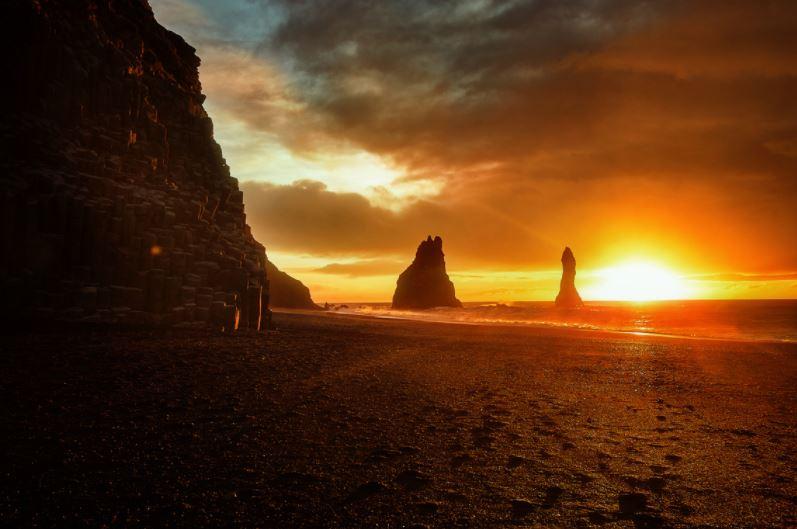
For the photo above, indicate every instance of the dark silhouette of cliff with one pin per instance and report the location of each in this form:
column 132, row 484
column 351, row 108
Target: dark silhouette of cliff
column 425, row 283
column 568, row 295
column 117, row 204
column 288, row 292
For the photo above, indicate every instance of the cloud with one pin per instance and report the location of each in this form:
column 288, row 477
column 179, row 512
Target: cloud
column 368, row 267
column 447, row 89
column 786, row 276
column 306, row 217
column 616, row 126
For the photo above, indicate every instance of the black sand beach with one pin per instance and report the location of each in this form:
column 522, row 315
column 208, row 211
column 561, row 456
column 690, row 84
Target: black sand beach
column 336, row 421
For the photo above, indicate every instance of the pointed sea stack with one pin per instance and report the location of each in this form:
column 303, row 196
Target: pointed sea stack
column 425, row 283
column 568, row 295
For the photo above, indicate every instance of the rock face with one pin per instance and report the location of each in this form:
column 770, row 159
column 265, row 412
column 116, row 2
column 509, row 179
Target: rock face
column 288, row 292
column 116, row 202
column 568, row 295
column 425, row 283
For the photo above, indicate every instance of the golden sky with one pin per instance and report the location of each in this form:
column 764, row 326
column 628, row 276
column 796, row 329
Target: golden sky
column 657, row 135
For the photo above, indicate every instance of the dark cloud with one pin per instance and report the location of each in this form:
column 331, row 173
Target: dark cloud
column 517, row 104
column 368, row 267
column 636, row 125
column 306, row 217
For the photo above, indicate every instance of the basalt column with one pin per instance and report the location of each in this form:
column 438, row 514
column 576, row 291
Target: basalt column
column 116, row 202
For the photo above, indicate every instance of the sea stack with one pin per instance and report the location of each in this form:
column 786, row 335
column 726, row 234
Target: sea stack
column 568, row 295
column 425, row 283
column 116, row 201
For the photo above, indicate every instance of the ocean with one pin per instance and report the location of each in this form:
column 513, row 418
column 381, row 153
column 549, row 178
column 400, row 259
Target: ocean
column 745, row 320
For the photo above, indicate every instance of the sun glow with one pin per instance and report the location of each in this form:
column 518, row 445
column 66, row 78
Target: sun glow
column 638, row 281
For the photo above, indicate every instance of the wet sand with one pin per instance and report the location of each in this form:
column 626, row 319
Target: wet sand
column 338, row 421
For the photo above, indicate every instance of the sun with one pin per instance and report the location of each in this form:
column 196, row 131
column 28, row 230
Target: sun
column 638, row 281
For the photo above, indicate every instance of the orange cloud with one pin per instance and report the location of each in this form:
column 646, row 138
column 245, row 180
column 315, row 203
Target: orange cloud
column 665, row 129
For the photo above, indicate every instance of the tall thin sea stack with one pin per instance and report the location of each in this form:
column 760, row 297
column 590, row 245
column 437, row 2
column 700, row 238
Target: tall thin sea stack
column 568, row 295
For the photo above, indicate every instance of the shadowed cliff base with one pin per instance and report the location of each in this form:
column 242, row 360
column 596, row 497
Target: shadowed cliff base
column 425, row 283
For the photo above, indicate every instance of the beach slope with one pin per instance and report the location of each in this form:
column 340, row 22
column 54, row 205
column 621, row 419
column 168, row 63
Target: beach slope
column 339, row 421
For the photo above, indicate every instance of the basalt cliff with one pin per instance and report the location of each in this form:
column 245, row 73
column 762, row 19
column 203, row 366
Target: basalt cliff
column 117, row 204
column 425, row 283
column 568, row 295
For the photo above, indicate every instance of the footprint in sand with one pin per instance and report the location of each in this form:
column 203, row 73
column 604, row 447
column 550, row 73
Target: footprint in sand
column 552, row 495
column 365, row 490
column 455, row 496
column 483, row 441
column 501, row 411
column 672, row 458
column 521, row 507
column 458, row 461
column 515, row 461
column 412, row 480
column 648, row 521
column 632, row 502
column 427, row 507
column 683, row 509
column 655, row 484
column 491, row 423
column 597, row 518
column 380, row 455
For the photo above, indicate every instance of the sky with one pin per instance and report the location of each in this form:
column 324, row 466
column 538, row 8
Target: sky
column 645, row 135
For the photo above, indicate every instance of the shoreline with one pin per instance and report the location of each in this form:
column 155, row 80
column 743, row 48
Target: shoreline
column 563, row 330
